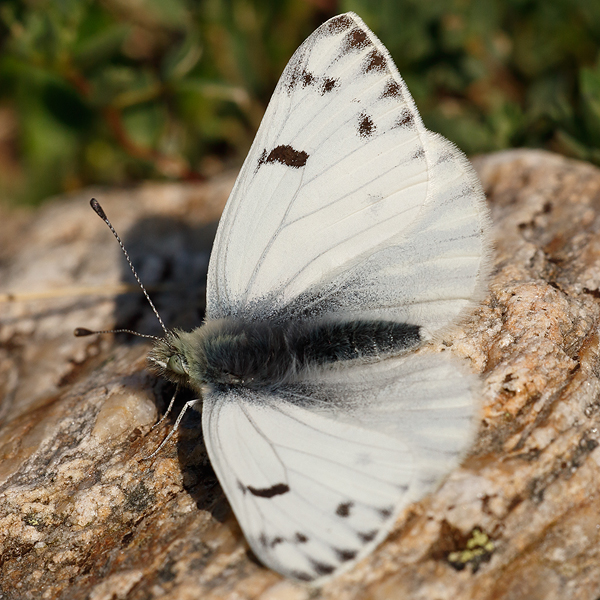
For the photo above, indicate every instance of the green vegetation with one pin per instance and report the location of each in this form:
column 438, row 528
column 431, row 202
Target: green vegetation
column 117, row 91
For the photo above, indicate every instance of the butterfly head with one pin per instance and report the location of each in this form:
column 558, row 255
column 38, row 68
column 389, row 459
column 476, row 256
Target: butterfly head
column 171, row 358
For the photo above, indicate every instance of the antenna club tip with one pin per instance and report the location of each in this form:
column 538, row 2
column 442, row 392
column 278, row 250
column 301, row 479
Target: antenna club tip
column 82, row 332
column 97, row 208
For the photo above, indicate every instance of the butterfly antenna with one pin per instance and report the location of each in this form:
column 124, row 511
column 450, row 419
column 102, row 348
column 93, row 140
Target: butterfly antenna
column 82, row 332
column 100, row 212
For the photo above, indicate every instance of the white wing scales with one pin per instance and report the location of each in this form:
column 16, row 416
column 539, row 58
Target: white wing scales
column 317, row 472
column 336, row 493
column 339, row 188
column 281, row 241
column 429, row 275
column 346, row 207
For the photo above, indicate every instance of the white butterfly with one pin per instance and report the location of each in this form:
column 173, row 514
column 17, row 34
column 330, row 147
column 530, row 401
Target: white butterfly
column 352, row 235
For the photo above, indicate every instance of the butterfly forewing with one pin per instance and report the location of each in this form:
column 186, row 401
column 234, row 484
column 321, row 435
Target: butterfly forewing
column 338, row 493
column 334, row 171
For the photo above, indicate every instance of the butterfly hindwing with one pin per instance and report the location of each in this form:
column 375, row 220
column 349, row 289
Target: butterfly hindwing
column 317, row 471
column 428, row 276
column 346, row 203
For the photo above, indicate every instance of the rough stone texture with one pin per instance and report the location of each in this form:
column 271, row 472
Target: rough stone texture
column 84, row 515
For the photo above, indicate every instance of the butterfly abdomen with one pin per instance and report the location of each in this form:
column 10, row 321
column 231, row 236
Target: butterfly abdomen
column 348, row 340
column 260, row 354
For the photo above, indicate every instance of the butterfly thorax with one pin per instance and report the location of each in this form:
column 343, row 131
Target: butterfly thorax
column 261, row 354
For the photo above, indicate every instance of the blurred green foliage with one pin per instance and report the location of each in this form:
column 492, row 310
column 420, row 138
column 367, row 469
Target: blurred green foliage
column 116, row 91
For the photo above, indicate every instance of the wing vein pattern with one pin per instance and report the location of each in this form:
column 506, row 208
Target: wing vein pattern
column 343, row 452
column 346, row 209
column 346, row 203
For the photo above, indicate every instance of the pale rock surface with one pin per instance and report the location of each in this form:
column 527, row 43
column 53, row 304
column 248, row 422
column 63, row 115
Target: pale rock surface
column 84, row 515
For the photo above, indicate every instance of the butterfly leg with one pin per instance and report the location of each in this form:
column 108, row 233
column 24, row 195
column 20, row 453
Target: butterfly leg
column 175, row 427
column 167, row 411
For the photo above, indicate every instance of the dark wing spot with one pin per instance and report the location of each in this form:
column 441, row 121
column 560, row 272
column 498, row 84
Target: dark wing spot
column 262, row 159
column 301, row 576
column 286, row 155
column 322, row 568
column 328, row 84
column 338, row 24
column 275, row 541
column 386, row 512
column 301, row 538
column 262, row 538
column 345, row 555
column 355, row 40
column 241, row 487
column 375, row 62
column 296, row 73
column 292, row 80
column 275, row 490
column 420, row 153
column 407, row 119
column 392, row 90
column 307, row 79
column 366, row 127
column 369, row 536
column 343, row 509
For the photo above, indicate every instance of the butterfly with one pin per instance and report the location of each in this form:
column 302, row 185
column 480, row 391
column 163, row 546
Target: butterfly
column 352, row 236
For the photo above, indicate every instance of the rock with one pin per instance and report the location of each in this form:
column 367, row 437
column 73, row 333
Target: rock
column 83, row 514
